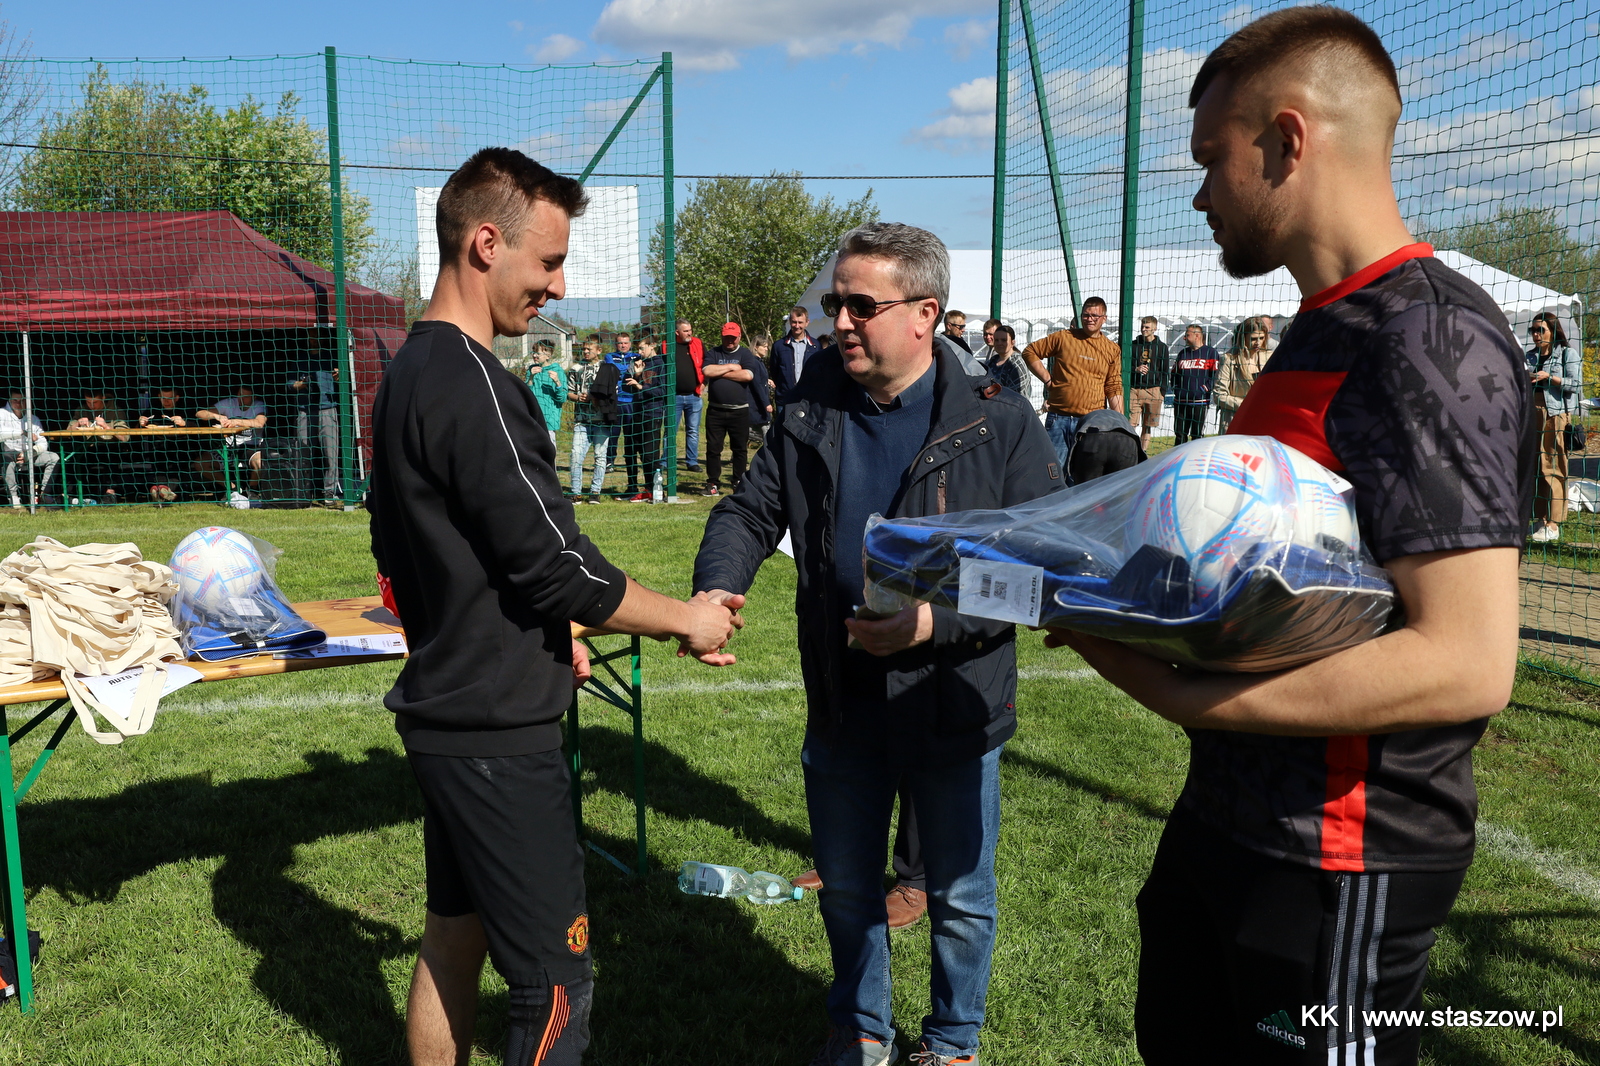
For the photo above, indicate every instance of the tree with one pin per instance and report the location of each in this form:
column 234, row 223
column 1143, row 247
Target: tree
column 139, row 146
column 747, row 248
column 1531, row 243
column 19, row 94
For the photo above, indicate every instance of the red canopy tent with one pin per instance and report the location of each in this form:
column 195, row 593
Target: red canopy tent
column 71, row 271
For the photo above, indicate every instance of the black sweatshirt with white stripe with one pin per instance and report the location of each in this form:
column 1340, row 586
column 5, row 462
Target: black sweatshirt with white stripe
column 486, row 561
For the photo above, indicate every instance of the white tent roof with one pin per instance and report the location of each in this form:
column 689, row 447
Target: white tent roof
column 1177, row 285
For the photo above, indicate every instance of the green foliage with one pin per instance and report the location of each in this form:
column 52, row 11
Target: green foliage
column 139, row 146
column 1532, row 243
column 748, row 247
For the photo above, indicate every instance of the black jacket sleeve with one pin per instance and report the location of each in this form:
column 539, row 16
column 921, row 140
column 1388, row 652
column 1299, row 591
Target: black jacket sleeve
column 495, row 454
column 745, row 528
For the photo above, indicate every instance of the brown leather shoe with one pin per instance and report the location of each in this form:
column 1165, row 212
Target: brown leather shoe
column 905, row 905
column 808, row 881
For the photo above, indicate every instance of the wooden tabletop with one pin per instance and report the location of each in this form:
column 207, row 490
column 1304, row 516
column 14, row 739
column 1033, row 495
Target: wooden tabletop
column 337, row 618
column 142, row 431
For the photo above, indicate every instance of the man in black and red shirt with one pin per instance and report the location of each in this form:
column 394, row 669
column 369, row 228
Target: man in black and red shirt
column 1327, row 820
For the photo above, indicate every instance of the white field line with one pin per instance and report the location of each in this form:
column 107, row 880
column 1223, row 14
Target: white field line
column 1560, row 870
column 791, row 683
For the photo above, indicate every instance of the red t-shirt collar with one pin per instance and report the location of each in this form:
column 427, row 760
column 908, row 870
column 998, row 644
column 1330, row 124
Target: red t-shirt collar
column 1363, row 277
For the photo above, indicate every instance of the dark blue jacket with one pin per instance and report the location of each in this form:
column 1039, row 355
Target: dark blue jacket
column 954, row 697
column 1194, row 371
column 781, row 366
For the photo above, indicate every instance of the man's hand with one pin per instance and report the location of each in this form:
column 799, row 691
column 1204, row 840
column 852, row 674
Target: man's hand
column 729, row 601
column 885, row 636
column 581, row 670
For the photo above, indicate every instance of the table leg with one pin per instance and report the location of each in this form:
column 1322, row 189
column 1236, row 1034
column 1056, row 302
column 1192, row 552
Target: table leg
column 227, row 474
column 16, row 906
column 637, row 687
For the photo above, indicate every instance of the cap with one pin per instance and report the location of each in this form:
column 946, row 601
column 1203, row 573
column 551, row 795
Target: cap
column 731, row 329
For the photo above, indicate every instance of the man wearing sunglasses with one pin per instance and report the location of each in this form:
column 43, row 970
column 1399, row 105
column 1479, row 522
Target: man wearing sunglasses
column 1082, row 372
column 888, row 423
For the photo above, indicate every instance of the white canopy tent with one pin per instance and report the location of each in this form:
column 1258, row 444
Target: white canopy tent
column 1178, row 286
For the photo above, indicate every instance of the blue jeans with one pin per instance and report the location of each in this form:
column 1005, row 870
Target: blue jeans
column 689, row 408
column 850, row 791
column 584, row 434
column 1062, row 428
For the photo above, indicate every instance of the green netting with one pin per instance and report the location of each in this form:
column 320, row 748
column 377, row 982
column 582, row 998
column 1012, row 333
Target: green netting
column 1497, row 163
column 173, row 230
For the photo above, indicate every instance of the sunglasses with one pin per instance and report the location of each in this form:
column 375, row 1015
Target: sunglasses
column 860, row 305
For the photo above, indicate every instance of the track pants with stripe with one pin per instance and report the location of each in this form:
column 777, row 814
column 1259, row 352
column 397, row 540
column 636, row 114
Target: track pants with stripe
column 1248, row 959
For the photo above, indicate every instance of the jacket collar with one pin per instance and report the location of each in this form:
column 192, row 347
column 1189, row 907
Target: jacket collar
column 815, row 404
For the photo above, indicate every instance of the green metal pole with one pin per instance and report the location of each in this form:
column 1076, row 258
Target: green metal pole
column 1043, row 103
column 341, row 328
column 643, row 866
column 16, row 903
column 1130, row 190
column 1002, row 117
column 669, row 261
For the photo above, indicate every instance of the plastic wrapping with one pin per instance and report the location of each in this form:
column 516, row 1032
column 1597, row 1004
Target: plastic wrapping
column 228, row 603
column 1228, row 553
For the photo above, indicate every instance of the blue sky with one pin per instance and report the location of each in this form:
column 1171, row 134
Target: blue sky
column 826, row 87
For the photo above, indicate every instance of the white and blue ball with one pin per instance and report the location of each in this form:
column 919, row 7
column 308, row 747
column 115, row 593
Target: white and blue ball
column 1323, row 513
column 1212, row 499
column 214, row 565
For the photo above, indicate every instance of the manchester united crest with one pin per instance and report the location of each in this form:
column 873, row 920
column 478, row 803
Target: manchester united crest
column 578, row 935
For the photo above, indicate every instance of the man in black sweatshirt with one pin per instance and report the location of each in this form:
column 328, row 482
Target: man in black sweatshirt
column 488, row 569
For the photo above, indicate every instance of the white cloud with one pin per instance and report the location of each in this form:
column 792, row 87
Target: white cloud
column 555, row 48
column 710, row 34
column 1237, row 17
column 968, row 123
column 963, row 37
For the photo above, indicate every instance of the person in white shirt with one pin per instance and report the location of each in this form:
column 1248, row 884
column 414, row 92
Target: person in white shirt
column 20, row 437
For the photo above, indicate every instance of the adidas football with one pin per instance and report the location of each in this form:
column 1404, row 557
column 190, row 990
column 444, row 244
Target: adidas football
column 1210, row 500
column 1323, row 516
column 214, row 565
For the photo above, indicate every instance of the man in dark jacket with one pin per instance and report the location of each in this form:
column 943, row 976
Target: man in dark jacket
column 1194, row 371
column 1149, row 379
column 790, row 353
column 488, row 569
column 886, row 423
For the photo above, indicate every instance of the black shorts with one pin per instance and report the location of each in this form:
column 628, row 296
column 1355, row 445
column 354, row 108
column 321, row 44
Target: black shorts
column 500, row 842
column 1247, row 959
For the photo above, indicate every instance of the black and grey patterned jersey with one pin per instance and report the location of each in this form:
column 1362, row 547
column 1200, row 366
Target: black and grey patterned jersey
column 1405, row 378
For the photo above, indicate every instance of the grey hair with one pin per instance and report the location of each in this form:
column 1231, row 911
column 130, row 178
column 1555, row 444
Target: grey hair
column 921, row 262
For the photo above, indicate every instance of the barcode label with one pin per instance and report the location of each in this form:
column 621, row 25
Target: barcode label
column 1006, row 592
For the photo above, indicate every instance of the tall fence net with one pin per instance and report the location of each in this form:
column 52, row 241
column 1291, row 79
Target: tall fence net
column 1496, row 162
column 205, row 265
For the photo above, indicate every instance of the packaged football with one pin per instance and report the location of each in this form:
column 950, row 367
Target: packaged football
column 1229, row 553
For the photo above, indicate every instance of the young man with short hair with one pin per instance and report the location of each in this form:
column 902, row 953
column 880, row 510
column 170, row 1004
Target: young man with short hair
column 1084, row 374
column 1150, row 378
column 789, row 355
column 688, row 382
column 1327, row 819
column 594, row 417
column 982, row 354
column 488, row 570
column 1194, row 372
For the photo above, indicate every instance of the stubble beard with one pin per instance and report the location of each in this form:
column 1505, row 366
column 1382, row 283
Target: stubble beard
column 1252, row 249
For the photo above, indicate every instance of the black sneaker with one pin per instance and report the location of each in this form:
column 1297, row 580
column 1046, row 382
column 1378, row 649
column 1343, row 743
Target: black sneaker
column 711, row 490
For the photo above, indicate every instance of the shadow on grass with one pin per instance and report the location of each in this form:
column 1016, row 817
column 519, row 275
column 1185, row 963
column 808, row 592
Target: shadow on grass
column 681, row 979
column 1101, row 791
column 1554, row 712
column 320, row 962
column 1491, row 940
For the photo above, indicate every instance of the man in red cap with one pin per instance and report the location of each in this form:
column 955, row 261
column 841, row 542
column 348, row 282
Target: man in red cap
column 737, row 383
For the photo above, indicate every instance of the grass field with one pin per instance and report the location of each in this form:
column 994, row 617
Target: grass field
column 244, row 884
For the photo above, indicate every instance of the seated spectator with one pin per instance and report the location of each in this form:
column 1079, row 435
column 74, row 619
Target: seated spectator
column 1003, row 364
column 1104, row 443
column 170, row 461
column 96, row 469
column 21, row 437
column 241, row 412
column 169, row 401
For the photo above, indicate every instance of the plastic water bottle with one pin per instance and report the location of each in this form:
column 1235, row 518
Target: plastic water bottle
column 658, row 492
column 725, row 882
